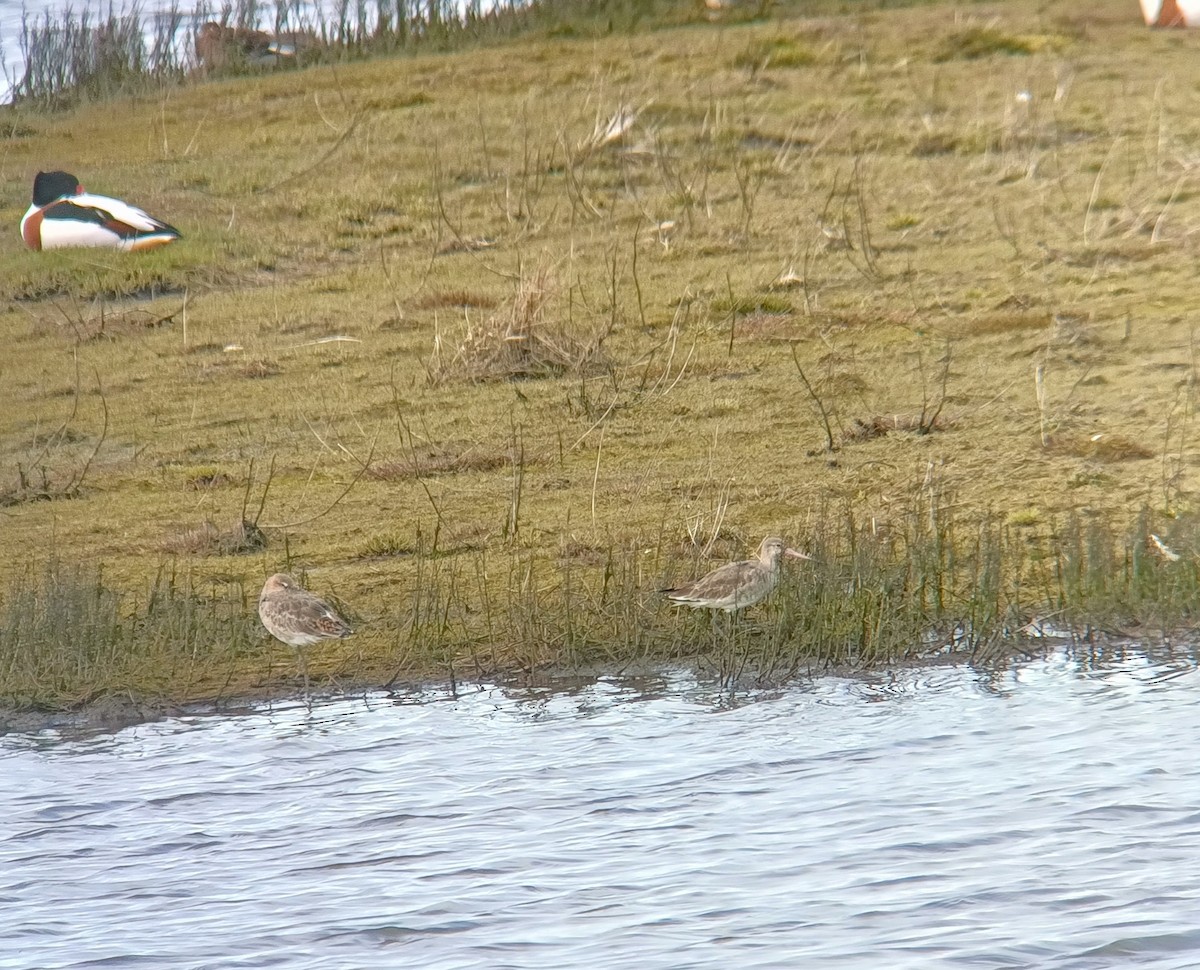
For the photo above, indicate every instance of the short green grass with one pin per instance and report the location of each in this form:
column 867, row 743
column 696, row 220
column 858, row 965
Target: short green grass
column 739, row 261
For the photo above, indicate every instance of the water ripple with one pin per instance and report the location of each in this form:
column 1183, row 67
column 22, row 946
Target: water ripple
column 1045, row 816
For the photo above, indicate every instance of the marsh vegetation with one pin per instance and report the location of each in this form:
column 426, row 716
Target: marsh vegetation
column 492, row 343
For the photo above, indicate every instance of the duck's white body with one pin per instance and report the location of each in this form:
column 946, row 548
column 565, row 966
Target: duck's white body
column 1171, row 13
column 63, row 215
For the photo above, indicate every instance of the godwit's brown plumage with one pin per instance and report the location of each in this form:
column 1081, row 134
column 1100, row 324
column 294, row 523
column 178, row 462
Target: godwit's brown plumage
column 297, row 617
column 737, row 585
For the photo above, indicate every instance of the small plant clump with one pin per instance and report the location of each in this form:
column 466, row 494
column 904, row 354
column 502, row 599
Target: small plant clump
column 208, row 539
column 69, row 637
column 522, row 340
column 976, row 42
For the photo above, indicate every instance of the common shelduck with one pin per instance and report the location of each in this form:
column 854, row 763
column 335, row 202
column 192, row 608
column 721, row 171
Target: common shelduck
column 63, row 214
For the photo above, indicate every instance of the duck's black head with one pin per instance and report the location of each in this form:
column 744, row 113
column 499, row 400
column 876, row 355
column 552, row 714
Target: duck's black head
column 48, row 186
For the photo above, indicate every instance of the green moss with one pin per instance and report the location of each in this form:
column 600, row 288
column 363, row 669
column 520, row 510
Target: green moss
column 903, row 221
column 774, row 52
column 977, row 42
column 1025, row 518
column 759, row 303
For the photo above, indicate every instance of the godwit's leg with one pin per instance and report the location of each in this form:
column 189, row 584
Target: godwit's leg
column 743, row 658
column 303, row 669
column 734, row 629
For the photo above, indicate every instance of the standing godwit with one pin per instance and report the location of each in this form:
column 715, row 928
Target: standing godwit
column 737, row 585
column 298, row 618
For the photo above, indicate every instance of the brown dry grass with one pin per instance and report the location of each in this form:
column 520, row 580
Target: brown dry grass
column 528, row 337
column 622, row 326
column 1100, row 447
column 208, row 539
column 445, row 458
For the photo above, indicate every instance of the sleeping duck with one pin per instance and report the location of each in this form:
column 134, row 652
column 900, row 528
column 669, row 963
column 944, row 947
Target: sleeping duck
column 63, row 214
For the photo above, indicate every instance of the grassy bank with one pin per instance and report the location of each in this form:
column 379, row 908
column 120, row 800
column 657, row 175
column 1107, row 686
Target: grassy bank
column 492, row 344
column 931, row 587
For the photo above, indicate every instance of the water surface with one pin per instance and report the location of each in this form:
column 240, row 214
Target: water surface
column 1043, row 817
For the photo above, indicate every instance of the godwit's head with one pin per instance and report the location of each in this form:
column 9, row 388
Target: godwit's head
column 774, row 548
column 279, row 583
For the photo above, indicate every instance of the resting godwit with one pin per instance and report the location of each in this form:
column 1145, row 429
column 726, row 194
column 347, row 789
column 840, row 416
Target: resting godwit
column 63, row 214
column 737, row 585
column 298, row 618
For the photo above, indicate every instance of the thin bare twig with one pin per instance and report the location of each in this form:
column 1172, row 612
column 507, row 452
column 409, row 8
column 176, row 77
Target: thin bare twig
column 329, row 508
column 829, row 445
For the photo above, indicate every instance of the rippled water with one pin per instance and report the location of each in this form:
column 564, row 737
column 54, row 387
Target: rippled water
column 1045, row 817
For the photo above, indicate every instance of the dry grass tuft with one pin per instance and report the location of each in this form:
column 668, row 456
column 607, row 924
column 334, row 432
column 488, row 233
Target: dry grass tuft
column 573, row 550
column 864, row 429
column 252, row 369
column 853, row 319
column 202, row 481
column 101, row 321
column 1098, row 447
column 71, row 636
column 935, row 143
column 766, row 303
column 842, row 385
column 209, row 540
column 447, row 458
column 522, row 340
column 257, row 369
column 39, row 484
column 779, row 52
column 766, row 326
column 464, row 299
column 1002, row 322
column 389, row 545
column 473, row 244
